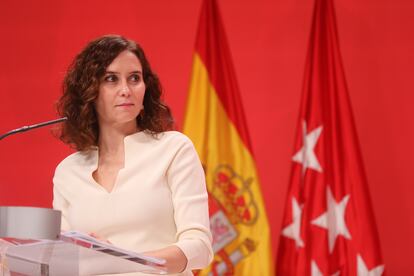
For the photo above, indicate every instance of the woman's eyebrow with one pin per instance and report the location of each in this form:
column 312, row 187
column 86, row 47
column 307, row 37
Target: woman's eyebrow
column 132, row 72
column 136, row 72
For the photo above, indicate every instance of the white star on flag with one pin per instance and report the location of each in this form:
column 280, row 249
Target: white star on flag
column 293, row 230
column 306, row 155
column 315, row 271
column 334, row 219
column 363, row 270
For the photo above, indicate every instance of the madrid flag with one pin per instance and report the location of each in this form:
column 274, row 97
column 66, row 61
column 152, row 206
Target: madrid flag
column 329, row 226
column 216, row 124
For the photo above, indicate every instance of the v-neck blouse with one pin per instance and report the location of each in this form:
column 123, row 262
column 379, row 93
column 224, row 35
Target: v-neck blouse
column 159, row 197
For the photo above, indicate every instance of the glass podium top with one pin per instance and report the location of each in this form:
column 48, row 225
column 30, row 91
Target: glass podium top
column 72, row 255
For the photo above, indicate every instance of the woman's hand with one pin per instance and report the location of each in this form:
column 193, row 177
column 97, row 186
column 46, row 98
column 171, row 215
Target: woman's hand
column 176, row 261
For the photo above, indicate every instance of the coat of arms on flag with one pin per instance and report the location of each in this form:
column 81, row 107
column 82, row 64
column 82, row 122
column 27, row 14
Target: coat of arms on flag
column 216, row 124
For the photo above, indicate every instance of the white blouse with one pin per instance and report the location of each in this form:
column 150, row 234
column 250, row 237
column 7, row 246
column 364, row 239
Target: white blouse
column 159, row 198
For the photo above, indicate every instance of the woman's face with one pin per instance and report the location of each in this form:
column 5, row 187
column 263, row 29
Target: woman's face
column 121, row 92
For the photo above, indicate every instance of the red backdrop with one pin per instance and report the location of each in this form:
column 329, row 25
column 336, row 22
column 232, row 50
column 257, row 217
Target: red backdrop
column 268, row 41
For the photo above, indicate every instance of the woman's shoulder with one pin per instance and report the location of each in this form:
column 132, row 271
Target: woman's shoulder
column 174, row 138
column 76, row 159
column 175, row 135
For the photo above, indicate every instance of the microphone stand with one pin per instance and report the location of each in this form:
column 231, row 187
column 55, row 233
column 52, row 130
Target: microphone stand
column 26, row 128
column 29, row 222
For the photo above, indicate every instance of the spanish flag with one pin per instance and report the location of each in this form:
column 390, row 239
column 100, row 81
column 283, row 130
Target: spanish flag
column 215, row 122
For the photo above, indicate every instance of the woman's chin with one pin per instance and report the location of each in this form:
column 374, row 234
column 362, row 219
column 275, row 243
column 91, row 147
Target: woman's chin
column 120, row 121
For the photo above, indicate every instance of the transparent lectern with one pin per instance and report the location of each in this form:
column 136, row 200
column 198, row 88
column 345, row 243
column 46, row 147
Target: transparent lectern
column 31, row 244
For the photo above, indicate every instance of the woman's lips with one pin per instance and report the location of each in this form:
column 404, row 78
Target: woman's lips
column 125, row 104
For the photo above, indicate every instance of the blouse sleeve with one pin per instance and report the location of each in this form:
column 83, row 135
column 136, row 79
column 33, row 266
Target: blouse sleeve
column 190, row 199
column 59, row 201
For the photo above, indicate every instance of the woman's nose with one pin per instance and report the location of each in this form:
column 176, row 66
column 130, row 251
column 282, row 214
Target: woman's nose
column 125, row 91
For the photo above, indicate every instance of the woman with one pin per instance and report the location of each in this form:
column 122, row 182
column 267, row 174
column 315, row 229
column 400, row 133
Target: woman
column 131, row 182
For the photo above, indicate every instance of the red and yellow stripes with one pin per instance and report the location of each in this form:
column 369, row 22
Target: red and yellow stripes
column 211, row 47
column 215, row 136
column 216, row 124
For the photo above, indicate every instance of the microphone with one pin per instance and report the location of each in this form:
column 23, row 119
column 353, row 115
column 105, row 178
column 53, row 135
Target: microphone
column 26, row 128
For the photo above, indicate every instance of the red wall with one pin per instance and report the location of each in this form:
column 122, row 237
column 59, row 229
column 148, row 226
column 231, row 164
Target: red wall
column 268, row 41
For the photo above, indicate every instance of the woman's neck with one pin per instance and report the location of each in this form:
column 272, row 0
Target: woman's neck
column 111, row 153
column 111, row 138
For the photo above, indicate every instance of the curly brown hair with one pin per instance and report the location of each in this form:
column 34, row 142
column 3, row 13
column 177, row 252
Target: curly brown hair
column 81, row 88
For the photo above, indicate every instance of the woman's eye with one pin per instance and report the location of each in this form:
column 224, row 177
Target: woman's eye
column 135, row 78
column 110, row 78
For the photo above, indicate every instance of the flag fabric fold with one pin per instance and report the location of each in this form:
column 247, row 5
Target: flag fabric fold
column 216, row 124
column 329, row 226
